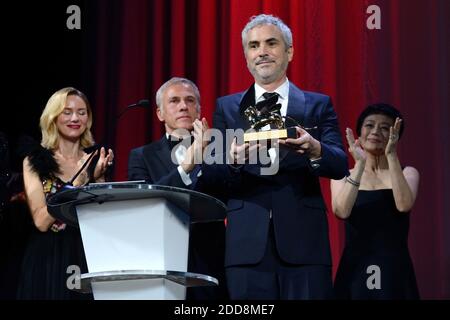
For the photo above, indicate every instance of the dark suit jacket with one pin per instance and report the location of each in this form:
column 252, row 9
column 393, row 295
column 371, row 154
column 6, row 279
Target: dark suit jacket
column 293, row 195
column 153, row 164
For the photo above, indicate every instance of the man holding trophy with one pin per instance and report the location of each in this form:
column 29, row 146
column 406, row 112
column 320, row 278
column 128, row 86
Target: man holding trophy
column 277, row 244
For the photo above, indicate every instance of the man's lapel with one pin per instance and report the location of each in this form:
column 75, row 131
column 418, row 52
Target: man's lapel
column 247, row 100
column 162, row 151
column 296, row 108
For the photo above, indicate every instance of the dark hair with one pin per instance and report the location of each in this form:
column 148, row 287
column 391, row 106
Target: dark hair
column 380, row 108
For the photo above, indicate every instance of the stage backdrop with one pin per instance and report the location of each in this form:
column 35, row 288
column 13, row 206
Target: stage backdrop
column 134, row 46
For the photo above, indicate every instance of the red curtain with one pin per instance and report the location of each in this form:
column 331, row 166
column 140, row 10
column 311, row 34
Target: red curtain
column 139, row 44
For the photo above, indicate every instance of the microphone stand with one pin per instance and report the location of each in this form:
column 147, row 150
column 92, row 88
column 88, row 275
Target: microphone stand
column 142, row 103
column 70, row 183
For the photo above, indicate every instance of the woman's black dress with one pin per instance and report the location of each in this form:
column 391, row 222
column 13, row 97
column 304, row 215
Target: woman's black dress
column 49, row 254
column 376, row 237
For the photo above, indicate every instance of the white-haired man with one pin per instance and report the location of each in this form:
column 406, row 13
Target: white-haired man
column 170, row 161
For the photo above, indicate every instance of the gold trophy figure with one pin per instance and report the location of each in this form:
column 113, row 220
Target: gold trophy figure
column 266, row 122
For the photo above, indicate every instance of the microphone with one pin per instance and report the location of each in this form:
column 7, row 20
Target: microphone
column 141, row 103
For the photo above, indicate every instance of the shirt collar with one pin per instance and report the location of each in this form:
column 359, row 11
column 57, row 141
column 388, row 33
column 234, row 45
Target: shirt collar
column 282, row 90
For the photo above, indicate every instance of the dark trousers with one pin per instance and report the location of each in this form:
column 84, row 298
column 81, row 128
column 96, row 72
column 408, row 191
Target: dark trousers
column 206, row 256
column 274, row 279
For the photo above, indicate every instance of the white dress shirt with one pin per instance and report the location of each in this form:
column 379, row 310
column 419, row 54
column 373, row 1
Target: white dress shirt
column 283, row 97
column 180, row 155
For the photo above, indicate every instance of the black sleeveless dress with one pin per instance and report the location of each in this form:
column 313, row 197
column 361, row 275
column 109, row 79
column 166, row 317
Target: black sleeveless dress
column 48, row 255
column 376, row 263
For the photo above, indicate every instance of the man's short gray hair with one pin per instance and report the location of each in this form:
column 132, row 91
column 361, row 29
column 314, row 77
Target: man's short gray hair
column 174, row 81
column 264, row 19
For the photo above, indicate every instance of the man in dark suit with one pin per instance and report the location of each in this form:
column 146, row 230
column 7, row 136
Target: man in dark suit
column 172, row 161
column 277, row 244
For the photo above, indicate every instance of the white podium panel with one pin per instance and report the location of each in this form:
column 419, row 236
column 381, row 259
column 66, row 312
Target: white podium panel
column 136, row 237
column 144, row 234
column 148, row 289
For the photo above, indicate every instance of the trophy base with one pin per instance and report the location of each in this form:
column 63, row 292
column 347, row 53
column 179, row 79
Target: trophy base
column 270, row 134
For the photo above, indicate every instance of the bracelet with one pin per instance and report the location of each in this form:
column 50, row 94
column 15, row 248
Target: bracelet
column 351, row 181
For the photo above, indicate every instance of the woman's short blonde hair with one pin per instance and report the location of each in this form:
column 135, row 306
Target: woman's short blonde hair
column 53, row 109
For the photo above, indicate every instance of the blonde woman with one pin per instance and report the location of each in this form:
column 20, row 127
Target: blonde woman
column 53, row 246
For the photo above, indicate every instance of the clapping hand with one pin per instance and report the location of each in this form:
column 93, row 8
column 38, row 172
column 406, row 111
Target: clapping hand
column 194, row 154
column 104, row 161
column 393, row 137
column 355, row 149
column 200, row 133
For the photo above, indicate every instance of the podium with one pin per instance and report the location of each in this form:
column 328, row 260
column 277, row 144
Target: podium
column 136, row 237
